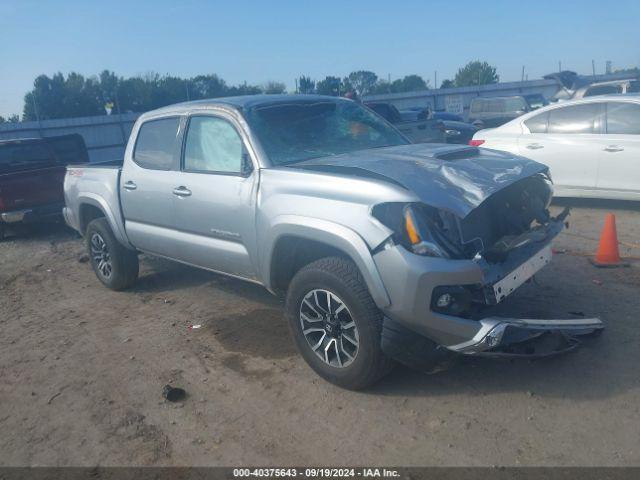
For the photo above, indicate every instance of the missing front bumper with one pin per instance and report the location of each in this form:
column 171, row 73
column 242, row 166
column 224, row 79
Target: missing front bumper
column 527, row 337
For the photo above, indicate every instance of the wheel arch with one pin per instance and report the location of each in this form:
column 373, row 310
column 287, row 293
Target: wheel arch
column 295, row 241
column 92, row 206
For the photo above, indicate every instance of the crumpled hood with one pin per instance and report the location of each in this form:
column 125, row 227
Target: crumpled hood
column 448, row 177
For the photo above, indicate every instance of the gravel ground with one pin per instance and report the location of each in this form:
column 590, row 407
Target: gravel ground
column 83, row 368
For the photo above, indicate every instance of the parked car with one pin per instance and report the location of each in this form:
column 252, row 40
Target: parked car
column 535, row 101
column 385, row 250
column 414, row 124
column 574, row 87
column 607, row 88
column 32, row 174
column 592, row 146
column 421, row 125
column 488, row 112
column 454, row 117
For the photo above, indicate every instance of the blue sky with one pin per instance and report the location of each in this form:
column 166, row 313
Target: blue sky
column 259, row 41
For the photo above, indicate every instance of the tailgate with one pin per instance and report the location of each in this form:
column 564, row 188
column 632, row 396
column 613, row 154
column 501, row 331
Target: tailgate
column 31, row 188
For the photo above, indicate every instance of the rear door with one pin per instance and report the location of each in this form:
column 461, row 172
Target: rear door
column 619, row 170
column 214, row 197
column 567, row 140
column 146, row 186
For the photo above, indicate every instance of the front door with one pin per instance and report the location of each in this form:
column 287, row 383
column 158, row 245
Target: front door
column 214, row 198
column 566, row 139
column 619, row 170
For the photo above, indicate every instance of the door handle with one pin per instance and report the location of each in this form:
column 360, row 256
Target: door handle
column 129, row 185
column 614, row 148
column 534, row 146
column 182, row 191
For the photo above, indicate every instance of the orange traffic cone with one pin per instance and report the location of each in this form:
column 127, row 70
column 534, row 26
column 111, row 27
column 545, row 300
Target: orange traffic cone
column 608, row 254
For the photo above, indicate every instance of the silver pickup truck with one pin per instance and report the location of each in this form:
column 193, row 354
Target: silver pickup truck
column 386, row 250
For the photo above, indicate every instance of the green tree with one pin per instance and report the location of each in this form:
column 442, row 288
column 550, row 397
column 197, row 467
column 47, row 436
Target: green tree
column 74, row 95
column 244, row 89
column 272, row 87
column 60, row 97
column 476, row 73
column 410, row 83
column 306, row 85
column 447, row 84
column 207, row 86
column 10, row 119
column 329, row 86
column 361, row 81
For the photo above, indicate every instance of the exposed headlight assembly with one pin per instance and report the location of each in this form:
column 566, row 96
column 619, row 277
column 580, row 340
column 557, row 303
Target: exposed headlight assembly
column 419, row 238
column 415, row 227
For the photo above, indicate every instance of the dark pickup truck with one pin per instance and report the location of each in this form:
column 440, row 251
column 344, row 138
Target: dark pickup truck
column 423, row 126
column 32, row 174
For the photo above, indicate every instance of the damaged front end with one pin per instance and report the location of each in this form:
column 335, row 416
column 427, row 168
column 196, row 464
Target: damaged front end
column 515, row 217
column 508, row 236
column 478, row 228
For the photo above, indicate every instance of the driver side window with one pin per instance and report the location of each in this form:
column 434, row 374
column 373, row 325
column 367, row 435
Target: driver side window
column 212, row 145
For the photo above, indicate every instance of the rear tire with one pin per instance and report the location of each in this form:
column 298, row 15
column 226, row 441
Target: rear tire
column 330, row 301
column 114, row 265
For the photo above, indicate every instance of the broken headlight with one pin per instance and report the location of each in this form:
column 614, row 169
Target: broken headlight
column 417, row 227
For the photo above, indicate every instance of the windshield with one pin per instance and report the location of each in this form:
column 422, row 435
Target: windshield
column 301, row 130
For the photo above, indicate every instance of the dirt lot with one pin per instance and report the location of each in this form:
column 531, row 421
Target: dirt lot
column 82, row 370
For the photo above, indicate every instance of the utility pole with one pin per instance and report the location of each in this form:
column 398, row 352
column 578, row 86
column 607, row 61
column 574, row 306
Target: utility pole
column 35, row 110
column 593, row 67
column 123, row 135
column 435, row 79
column 559, row 65
column 522, row 76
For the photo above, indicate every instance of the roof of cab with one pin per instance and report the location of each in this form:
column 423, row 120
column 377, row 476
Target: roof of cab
column 241, row 102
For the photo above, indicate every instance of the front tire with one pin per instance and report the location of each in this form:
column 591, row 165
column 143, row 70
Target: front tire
column 114, row 265
column 335, row 323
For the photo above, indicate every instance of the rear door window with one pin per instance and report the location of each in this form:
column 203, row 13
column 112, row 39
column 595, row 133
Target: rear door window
column 623, row 118
column 574, row 119
column 156, row 144
column 68, row 148
column 30, row 155
column 538, row 123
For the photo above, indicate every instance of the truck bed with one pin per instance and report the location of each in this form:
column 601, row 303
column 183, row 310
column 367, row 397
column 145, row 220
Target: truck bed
column 107, row 164
column 102, row 180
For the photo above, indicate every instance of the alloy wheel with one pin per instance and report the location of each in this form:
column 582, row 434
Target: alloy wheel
column 100, row 255
column 329, row 328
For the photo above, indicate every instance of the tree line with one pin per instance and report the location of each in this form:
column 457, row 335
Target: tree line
column 74, row 95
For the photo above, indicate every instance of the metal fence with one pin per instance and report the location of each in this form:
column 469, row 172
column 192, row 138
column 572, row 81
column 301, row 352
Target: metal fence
column 457, row 100
column 106, row 136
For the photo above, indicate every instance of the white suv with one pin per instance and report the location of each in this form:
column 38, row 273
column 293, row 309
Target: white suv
column 592, row 146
